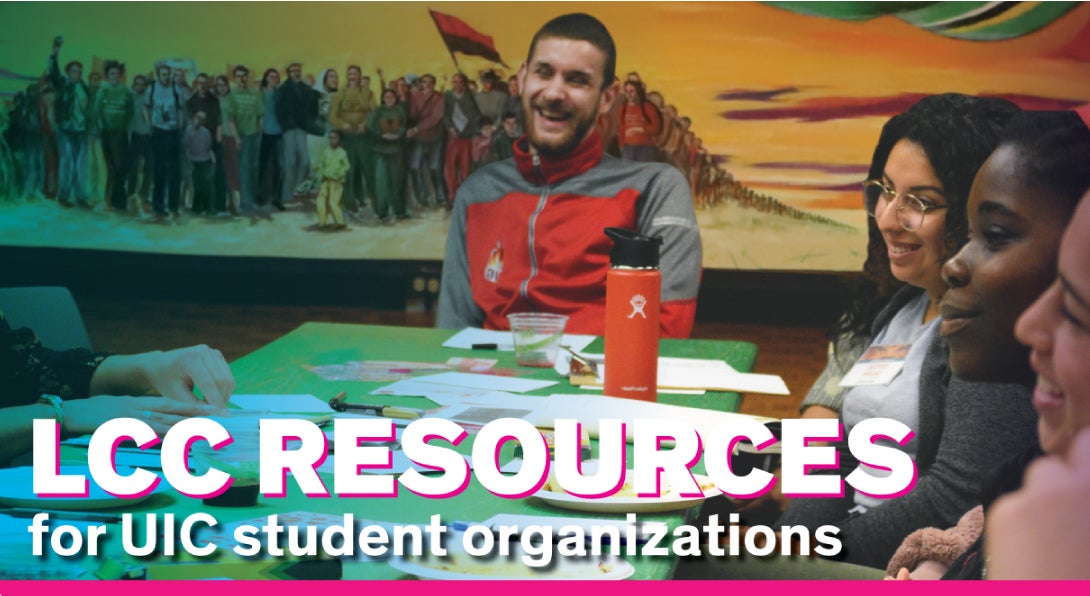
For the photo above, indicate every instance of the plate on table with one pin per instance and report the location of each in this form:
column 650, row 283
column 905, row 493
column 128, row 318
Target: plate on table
column 625, row 500
column 459, row 564
column 17, row 490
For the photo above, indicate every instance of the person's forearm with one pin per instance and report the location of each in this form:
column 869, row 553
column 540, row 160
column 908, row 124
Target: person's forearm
column 16, row 424
column 121, row 375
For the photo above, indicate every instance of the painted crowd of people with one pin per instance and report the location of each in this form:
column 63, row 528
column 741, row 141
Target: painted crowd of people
column 235, row 144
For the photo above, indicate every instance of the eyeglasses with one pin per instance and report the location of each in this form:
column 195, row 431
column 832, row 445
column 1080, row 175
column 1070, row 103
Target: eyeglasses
column 910, row 211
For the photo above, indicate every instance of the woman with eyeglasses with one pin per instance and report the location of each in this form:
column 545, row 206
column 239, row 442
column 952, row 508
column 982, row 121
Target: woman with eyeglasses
column 916, row 192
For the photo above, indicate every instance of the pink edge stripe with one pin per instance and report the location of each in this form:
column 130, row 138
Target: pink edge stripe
column 476, row 588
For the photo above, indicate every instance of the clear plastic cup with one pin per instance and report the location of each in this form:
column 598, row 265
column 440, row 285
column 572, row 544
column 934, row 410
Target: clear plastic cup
column 537, row 337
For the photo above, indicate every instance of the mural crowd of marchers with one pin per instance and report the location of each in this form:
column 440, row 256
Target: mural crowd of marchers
column 177, row 144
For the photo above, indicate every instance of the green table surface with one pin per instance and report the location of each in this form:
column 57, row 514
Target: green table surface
column 282, row 368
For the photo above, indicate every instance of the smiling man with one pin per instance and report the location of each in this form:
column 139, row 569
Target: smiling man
column 527, row 234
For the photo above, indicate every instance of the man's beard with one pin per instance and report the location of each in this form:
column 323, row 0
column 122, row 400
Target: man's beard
column 562, row 145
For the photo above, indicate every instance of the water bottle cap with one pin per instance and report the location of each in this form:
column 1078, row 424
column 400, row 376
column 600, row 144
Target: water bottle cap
column 631, row 249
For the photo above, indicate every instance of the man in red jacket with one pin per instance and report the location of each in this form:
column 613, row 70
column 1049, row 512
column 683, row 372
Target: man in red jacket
column 527, row 235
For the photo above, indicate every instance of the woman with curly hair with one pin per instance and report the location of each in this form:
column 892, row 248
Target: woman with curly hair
column 916, row 194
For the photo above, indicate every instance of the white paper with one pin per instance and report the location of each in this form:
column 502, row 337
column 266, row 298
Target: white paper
column 712, row 375
column 589, row 410
column 753, row 383
column 282, row 404
column 659, row 390
column 491, row 398
column 692, row 374
column 400, row 464
column 480, row 414
column 484, row 382
column 440, row 394
column 465, row 339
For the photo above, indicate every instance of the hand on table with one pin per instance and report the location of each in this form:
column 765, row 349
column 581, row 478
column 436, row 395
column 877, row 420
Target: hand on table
column 1040, row 531
column 174, row 374
column 83, row 416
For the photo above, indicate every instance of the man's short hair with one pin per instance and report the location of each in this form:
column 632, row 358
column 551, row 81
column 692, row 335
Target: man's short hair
column 112, row 64
column 242, row 69
column 139, row 79
column 428, row 75
column 581, row 27
column 508, row 116
column 293, row 65
column 68, row 67
column 354, row 67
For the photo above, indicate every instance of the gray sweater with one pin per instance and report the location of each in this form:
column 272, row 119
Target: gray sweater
column 966, row 429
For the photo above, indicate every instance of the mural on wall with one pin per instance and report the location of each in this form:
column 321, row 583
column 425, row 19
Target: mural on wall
column 771, row 110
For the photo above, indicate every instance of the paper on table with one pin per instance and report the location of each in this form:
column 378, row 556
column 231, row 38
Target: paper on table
column 465, row 339
column 482, row 414
column 589, row 410
column 659, row 390
column 711, row 375
column 283, row 404
column 485, row 382
column 440, row 394
column 400, row 463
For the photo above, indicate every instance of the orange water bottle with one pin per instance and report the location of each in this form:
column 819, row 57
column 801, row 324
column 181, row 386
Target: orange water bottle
column 633, row 293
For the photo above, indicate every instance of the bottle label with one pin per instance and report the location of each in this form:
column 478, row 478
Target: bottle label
column 638, row 302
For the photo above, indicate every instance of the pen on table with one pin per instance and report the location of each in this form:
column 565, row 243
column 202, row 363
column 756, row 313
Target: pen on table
column 21, row 512
column 338, row 404
column 486, row 346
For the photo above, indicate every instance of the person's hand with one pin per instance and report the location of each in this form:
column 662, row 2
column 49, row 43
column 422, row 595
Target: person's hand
column 902, row 575
column 1039, row 532
column 175, row 374
column 83, row 416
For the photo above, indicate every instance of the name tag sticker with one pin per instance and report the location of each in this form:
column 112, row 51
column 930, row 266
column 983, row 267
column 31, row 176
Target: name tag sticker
column 879, row 365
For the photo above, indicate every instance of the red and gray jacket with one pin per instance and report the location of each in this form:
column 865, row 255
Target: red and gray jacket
column 526, row 235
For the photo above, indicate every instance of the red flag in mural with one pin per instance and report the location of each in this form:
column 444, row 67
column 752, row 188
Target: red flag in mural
column 460, row 37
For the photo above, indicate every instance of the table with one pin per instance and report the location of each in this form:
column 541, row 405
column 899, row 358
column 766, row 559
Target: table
column 281, row 367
